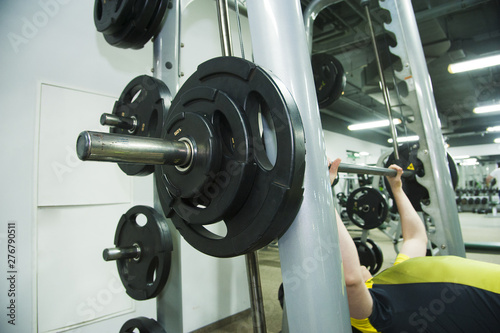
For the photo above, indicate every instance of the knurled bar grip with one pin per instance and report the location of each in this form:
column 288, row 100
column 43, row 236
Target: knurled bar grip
column 110, row 147
column 370, row 170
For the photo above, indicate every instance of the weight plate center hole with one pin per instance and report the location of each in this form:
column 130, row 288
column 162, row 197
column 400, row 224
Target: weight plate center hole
column 365, row 208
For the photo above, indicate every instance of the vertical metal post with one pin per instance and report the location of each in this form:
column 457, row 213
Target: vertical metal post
column 315, row 293
column 442, row 208
column 385, row 92
column 251, row 259
column 166, row 51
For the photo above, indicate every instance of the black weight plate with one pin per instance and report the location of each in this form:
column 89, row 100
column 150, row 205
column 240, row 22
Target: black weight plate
column 143, row 13
column 111, row 15
column 217, row 183
column 155, row 25
column 366, row 255
column 146, row 99
column 379, row 256
column 144, row 278
column 143, row 324
column 146, row 19
column 329, row 78
column 367, row 208
column 275, row 194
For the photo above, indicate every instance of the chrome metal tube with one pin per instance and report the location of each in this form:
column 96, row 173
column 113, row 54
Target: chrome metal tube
column 107, row 147
column 370, row 170
column 113, row 120
column 256, row 300
column 132, row 252
column 385, row 93
column 225, row 32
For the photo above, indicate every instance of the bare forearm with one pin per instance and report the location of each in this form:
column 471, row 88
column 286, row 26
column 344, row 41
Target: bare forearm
column 412, row 226
column 350, row 258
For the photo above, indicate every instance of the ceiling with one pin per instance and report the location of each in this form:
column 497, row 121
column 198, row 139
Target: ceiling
column 450, row 31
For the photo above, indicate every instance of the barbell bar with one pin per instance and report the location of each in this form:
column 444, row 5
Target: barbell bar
column 371, row 170
column 110, row 147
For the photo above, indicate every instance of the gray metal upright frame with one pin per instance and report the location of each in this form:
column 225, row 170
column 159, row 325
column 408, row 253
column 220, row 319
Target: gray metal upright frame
column 167, row 68
column 311, row 265
column 442, row 208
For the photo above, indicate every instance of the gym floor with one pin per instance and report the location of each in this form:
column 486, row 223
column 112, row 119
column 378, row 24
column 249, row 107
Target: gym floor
column 475, row 228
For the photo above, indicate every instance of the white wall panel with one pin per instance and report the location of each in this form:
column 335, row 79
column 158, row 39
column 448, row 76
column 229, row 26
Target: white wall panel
column 62, row 178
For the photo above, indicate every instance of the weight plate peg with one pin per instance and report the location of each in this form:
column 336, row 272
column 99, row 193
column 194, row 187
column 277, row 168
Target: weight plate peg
column 139, row 111
column 142, row 253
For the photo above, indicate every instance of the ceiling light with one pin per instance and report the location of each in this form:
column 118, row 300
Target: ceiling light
column 469, row 161
column 487, row 108
column 474, row 64
column 373, row 124
column 462, row 157
column 493, row 129
column 402, row 139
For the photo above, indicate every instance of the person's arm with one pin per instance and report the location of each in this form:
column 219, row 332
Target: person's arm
column 412, row 226
column 360, row 300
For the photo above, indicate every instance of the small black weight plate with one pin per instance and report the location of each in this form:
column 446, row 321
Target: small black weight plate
column 408, row 161
column 366, row 255
column 143, row 324
column 367, row 208
column 216, row 183
column 111, row 15
column 146, row 99
column 329, row 78
column 145, row 277
column 379, row 256
column 275, row 194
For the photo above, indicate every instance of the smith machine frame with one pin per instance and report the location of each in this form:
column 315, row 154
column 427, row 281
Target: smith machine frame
column 309, row 252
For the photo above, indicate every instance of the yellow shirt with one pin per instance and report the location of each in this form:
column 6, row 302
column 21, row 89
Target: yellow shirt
column 364, row 324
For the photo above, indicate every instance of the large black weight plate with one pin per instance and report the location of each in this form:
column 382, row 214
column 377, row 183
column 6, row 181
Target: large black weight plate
column 367, row 208
column 274, row 195
column 144, row 278
column 146, row 99
column 217, row 182
column 370, row 254
column 408, row 161
column 143, row 324
column 329, row 78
